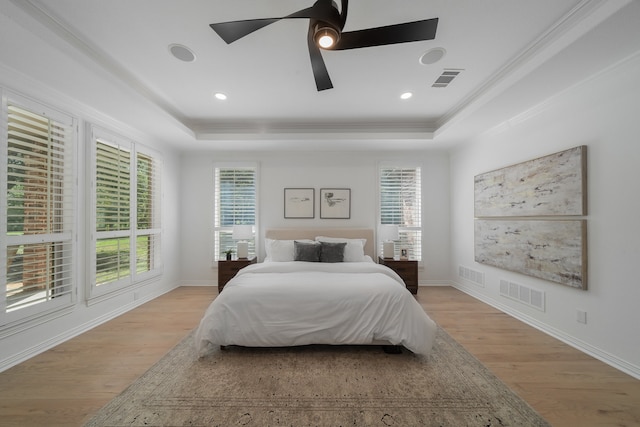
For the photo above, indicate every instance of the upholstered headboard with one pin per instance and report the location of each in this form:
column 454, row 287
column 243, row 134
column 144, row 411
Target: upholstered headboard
column 311, row 233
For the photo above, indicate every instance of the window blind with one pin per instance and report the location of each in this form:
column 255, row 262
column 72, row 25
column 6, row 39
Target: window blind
column 235, row 204
column 40, row 214
column 401, row 205
column 113, row 211
column 113, row 186
column 148, row 213
column 128, row 207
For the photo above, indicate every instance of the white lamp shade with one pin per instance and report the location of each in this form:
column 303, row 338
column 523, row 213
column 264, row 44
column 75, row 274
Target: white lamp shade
column 241, row 232
column 388, row 232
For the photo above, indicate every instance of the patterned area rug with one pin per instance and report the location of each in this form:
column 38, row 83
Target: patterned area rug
column 318, row 386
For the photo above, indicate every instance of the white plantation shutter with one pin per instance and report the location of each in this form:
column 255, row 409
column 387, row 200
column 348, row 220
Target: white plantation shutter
column 113, row 174
column 148, row 212
column 113, row 186
column 235, row 204
column 127, row 222
column 401, row 205
column 38, row 193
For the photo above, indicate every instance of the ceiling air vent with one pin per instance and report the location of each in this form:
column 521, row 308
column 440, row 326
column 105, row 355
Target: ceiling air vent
column 446, row 77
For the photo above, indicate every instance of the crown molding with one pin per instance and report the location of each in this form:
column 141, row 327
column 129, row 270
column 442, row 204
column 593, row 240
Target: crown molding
column 271, row 129
column 582, row 18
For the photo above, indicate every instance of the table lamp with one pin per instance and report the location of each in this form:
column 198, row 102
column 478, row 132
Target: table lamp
column 242, row 232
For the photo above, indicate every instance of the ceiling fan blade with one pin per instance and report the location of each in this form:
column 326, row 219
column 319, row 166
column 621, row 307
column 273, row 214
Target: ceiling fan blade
column 232, row 31
column 235, row 30
column 391, row 34
column 343, row 13
column 320, row 73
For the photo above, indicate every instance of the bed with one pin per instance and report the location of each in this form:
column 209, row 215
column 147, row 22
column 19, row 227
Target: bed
column 317, row 286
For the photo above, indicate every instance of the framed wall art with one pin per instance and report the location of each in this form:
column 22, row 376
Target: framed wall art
column 553, row 185
column 299, row 202
column 549, row 250
column 335, row 203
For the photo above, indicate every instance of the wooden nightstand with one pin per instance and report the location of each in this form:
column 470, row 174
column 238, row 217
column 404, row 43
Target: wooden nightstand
column 228, row 269
column 406, row 269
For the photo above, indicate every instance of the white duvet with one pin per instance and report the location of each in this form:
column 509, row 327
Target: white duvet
column 298, row 303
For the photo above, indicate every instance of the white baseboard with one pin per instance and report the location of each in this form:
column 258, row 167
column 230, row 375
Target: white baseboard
column 435, row 283
column 199, row 283
column 603, row 356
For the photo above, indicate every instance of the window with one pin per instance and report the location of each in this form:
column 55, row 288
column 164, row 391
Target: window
column 38, row 197
column 126, row 242
column 235, row 204
column 113, row 212
column 400, row 204
column 148, row 210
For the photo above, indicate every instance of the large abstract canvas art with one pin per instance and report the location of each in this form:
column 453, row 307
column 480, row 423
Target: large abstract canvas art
column 530, row 218
column 548, row 186
column 549, row 250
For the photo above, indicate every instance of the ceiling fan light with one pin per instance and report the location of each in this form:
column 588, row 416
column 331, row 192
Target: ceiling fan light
column 325, row 41
column 326, row 36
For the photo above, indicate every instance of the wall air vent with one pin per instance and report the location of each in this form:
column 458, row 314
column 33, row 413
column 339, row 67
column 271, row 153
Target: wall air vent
column 474, row 276
column 528, row 296
column 447, row 76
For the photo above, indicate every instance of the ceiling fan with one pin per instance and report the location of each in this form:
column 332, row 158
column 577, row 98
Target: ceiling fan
column 325, row 32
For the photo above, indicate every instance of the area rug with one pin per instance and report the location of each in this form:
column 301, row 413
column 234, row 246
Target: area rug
column 318, row 386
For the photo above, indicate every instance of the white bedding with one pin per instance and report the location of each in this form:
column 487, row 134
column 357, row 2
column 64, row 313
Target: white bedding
column 298, row 303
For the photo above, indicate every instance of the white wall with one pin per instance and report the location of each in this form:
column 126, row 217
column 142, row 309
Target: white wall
column 601, row 113
column 279, row 170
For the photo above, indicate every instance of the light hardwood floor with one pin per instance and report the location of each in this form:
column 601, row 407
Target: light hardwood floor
column 566, row 386
column 66, row 385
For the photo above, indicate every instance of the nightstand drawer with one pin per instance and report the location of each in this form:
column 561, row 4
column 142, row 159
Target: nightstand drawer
column 234, row 267
column 406, row 269
column 227, row 269
column 407, row 272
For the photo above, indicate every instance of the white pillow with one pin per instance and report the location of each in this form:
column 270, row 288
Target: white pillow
column 281, row 250
column 353, row 251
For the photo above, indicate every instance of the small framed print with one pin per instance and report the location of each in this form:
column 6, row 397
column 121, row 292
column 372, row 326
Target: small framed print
column 404, row 254
column 335, row 203
column 299, row 202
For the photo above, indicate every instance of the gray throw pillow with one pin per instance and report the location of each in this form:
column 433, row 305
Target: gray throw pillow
column 332, row 252
column 309, row 252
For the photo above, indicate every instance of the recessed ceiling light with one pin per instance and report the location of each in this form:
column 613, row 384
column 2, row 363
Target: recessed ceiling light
column 221, row 96
column 406, row 95
column 432, row 56
column 182, row 53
